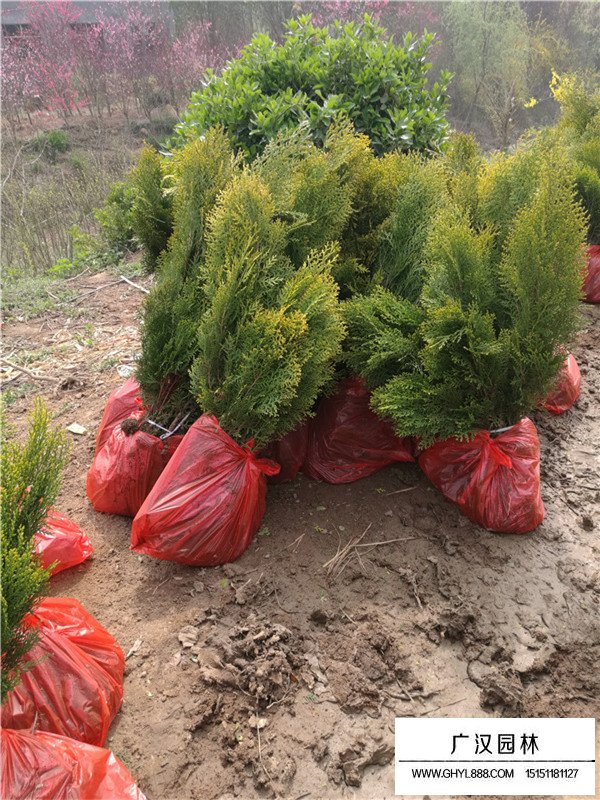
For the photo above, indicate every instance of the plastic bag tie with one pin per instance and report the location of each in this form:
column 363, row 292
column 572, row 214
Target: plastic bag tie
column 266, row 465
column 500, row 458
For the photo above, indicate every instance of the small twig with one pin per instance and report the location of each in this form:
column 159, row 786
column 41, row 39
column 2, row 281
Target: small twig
column 92, row 291
column 26, row 371
column 336, row 561
column 387, row 541
column 447, row 705
column 568, row 504
column 266, row 771
column 136, row 285
column 74, row 277
column 281, row 699
column 400, row 491
column 281, row 607
column 159, row 585
column 405, row 691
column 296, row 542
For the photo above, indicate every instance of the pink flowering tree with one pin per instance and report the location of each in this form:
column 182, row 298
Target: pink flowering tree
column 19, row 89
column 126, row 56
column 398, row 18
column 52, row 35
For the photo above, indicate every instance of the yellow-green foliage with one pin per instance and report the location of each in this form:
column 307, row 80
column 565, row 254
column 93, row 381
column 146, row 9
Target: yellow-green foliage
column 507, row 183
column 579, row 131
column 382, row 335
column 198, row 173
column 151, row 212
column 579, row 100
column 263, row 360
column 404, row 233
column 462, row 162
column 307, row 189
column 243, row 221
column 496, row 320
column 31, row 477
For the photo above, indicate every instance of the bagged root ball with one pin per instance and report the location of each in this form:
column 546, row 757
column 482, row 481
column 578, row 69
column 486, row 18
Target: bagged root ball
column 494, row 480
column 347, row 441
column 567, row 389
column 207, row 504
column 43, row 765
column 74, row 686
column 126, row 468
column 122, row 403
column 60, row 542
column 591, row 283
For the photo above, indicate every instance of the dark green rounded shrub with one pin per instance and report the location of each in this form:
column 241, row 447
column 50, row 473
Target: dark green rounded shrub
column 314, row 75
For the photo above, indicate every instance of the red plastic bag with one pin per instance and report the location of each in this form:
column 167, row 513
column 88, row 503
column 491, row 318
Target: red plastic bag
column 567, row 390
column 125, row 469
column 347, row 441
column 43, row 766
column 122, row 403
column 290, row 453
column 75, row 686
column 207, row 504
column 591, row 283
column 495, row 481
column 61, row 542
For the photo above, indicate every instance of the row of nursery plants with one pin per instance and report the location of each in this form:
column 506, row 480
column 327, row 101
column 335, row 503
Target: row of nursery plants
column 62, row 672
column 333, row 302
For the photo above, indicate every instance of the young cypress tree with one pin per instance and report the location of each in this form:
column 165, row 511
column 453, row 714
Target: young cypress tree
column 462, row 163
column 495, row 325
column 263, row 358
column 199, row 173
column 151, row 212
column 31, row 477
column 579, row 128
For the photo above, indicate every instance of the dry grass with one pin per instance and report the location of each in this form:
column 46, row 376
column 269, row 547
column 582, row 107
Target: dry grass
column 356, row 550
column 49, row 198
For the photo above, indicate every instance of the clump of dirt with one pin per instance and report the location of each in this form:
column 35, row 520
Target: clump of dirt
column 361, row 663
column 569, row 677
column 258, row 658
column 351, row 763
column 454, row 624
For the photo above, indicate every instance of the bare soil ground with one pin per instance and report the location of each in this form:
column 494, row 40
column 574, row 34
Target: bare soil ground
column 270, row 677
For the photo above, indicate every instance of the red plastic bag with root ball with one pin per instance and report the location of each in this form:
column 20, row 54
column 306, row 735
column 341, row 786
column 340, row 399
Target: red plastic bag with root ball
column 567, row 388
column 61, row 542
column 43, row 766
column 591, row 282
column 126, row 468
column 74, row 682
column 290, row 453
column 494, row 480
column 123, row 402
column 208, row 503
column 347, row 441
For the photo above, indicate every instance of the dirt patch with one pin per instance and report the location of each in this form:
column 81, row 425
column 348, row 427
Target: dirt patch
column 271, row 677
